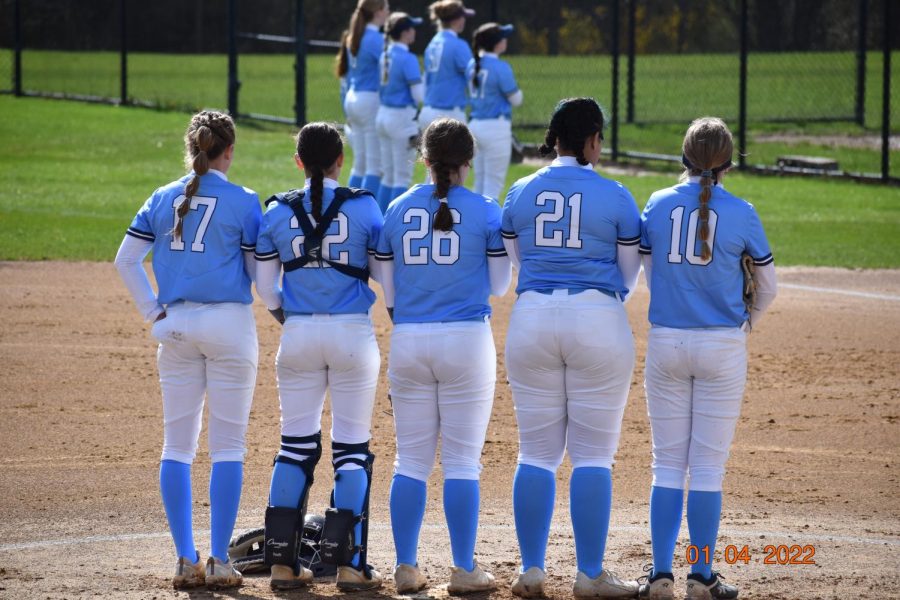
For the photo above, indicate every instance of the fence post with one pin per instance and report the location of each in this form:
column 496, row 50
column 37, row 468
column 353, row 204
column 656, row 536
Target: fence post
column 17, row 59
column 861, row 62
column 300, row 67
column 886, row 96
column 742, row 92
column 123, row 52
column 615, row 80
column 632, row 18
column 233, row 83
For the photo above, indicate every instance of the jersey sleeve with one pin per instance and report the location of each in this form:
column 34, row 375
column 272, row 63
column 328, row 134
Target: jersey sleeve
column 757, row 245
column 374, row 46
column 411, row 72
column 383, row 249
column 629, row 220
column 462, row 56
column 506, row 80
column 251, row 224
column 374, row 225
column 507, row 231
column 492, row 229
column 141, row 226
column 265, row 243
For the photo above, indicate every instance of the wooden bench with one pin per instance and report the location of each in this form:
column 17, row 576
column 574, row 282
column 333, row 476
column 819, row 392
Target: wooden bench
column 808, row 162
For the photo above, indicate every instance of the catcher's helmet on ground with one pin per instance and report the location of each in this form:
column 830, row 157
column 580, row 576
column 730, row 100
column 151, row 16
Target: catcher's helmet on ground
column 246, row 550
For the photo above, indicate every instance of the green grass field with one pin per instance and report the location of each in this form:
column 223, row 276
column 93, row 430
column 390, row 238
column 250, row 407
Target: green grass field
column 74, row 174
column 670, row 90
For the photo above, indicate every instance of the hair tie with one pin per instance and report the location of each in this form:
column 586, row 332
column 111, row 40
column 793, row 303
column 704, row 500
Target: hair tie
column 443, row 201
column 706, row 173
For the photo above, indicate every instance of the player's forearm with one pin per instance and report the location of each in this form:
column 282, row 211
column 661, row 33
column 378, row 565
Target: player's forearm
column 512, row 251
column 418, row 93
column 629, row 262
column 129, row 262
column 500, row 272
column 375, row 268
column 387, row 281
column 766, row 289
column 250, row 265
column 647, row 263
column 516, row 98
column 267, row 272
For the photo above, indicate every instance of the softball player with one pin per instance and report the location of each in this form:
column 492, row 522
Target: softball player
column 442, row 253
column 569, row 350
column 202, row 230
column 361, row 47
column 327, row 342
column 493, row 92
column 446, row 59
column 401, row 93
column 692, row 239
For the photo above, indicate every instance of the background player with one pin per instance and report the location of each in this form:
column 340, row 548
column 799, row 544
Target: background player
column 202, row 230
column 443, row 255
column 446, row 59
column 328, row 341
column 569, row 347
column 401, row 93
column 493, row 92
column 361, row 47
column 692, row 238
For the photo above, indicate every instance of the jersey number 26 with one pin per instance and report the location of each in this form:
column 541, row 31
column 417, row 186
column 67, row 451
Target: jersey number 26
column 444, row 244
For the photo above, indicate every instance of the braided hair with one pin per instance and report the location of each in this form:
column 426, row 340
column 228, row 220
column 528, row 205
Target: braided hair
column 318, row 145
column 484, row 39
column 706, row 151
column 208, row 135
column 574, row 120
column 447, row 145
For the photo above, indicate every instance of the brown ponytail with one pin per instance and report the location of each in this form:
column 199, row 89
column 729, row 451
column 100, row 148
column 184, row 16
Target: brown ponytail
column 706, row 152
column 352, row 36
column 447, row 145
column 318, row 145
column 387, row 59
column 209, row 134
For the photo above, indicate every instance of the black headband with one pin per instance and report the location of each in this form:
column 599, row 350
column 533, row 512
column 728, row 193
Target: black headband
column 712, row 173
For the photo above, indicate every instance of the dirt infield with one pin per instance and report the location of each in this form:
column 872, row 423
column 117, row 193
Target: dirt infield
column 816, row 460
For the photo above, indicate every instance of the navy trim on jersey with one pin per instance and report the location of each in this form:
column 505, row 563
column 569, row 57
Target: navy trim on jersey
column 248, row 247
column 380, row 256
column 644, row 250
column 629, row 241
column 765, row 260
column 141, row 235
column 268, row 256
column 496, row 252
column 510, row 235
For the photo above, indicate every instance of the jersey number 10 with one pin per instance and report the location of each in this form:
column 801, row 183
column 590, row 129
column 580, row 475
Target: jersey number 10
column 675, row 252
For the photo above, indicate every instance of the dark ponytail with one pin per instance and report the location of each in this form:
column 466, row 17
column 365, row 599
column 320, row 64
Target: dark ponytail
column 574, row 121
column 318, row 145
column 484, row 39
column 208, row 135
column 447, row 145
column 477, row 55
column 352, row 37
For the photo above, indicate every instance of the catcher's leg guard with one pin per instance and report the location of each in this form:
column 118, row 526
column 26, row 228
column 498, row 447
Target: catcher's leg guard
column 284, row 525
column 339, row 543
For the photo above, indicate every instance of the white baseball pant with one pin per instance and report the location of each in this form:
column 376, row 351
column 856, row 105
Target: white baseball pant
column 395, row 127
column 442, row 385
column 361, row 109
column 337, row 352
column 429, row 114
column 493, row 139
column 694, row 379
column 206, row 349
column 569, row 360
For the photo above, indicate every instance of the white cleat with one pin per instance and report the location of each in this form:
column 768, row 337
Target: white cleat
column 188, row 574
column 409, row 579
column 605, row 585
column 529, row 584
column 467, row 582
column 357, row 580
column 221, row 575
column 284, row 578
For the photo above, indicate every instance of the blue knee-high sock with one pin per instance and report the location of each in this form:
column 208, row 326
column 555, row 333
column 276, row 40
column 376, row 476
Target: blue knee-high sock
column 224, row 499
column 534, row 494
column 371, row 183
column 703, row 512
column 384, row 197
column 590, row 501
column 288, row 482
column 666, row 505
column 175, row 488
column 355, row 181
column 407, row 511
column 461, row 499
column 350, row 487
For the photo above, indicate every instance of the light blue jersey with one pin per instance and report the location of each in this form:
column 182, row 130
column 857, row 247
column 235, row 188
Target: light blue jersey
column 441, row 276
column 207, row 263
column 496, row 83
column 446, row 59
column 568, row 221
column 403, row 73
column 363, row 75
column 687, row 291
column 351, row 238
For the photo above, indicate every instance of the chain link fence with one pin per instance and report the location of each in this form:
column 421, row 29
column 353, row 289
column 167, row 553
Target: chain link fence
column 799, row 81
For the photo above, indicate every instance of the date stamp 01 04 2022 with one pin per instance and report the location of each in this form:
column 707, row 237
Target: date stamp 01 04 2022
column 780, row 554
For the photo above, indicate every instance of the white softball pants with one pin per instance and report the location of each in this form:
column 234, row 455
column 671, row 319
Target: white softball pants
column 569, row 360
column 212, row 350
column 493, row 139
column 429, row 114
column 694, row 379
column 395, row 127
column 442, row 385
column 334, row 352
column 361, row 109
